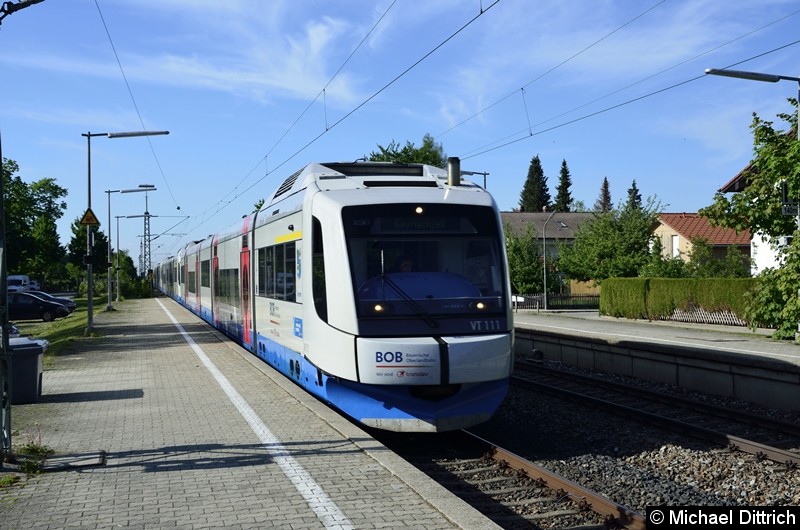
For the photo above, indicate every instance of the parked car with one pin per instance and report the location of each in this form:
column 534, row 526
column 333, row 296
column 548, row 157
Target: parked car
column 18, row 282
column 25, row 306
column 35, row 285
column 69, row 303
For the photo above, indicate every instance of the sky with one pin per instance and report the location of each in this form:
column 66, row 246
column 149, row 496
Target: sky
column 251, row 91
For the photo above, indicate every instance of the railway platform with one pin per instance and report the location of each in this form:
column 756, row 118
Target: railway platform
column 161, row 422
column 730, row 361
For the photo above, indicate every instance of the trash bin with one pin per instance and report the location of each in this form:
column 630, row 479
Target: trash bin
column 27, row 359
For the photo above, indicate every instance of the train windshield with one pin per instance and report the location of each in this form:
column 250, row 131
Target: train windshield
column 430, row 263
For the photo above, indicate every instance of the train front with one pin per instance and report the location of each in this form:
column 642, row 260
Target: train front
column 426, row 294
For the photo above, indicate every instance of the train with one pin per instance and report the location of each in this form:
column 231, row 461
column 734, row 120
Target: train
column 380, row 288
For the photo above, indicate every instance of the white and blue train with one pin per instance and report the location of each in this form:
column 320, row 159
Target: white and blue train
column 380, row 288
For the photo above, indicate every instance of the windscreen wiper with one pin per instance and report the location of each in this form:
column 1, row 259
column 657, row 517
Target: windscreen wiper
column 418, row 309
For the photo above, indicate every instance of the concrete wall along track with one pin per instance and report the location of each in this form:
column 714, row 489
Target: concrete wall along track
column 729, row 361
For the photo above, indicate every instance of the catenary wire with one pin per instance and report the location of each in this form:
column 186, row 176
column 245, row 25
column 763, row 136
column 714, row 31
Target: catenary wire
column 562, row 63
column 652, row 76
column 478, row 152
column 310, row 105
column 135, row 105
column 220, row 205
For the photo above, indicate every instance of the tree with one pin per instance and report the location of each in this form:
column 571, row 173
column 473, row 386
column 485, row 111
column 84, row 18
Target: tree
column 660, row 267
column 603, row 203
column 130, row 283
column 31, row 213
column 47, row 260
column 634, row 197
column 758, row 206
column 578, row 206
column 563, row 195
column 18, row 204
column 534, row 196
column 76, row 249
column 776, row 159
column 525, row 262
column 613, row 244
column 429, row 153
column 701, row 263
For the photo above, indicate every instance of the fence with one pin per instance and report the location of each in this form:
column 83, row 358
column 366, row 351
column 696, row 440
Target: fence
column 557, row 301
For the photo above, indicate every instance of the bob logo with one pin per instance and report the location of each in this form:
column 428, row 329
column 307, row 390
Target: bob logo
column 389, row 357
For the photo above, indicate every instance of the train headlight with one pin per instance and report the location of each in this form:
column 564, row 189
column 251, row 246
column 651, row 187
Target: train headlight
column 378, row 308
column 478, row 305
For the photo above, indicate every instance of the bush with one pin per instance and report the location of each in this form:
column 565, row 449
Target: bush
column 654, row 298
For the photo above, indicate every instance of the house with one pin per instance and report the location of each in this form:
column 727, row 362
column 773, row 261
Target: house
column 547, row 227
column 551, row 228
column 763, row 253
column 677, row 230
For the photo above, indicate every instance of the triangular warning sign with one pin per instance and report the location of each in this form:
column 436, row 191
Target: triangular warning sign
column 89, row 218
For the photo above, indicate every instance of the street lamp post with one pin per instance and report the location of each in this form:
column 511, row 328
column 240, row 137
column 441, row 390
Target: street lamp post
column 142, row 187
column 89, row 281
column 769, row 78
column 108, row 280
column 755, row 76
column 484, row 173
column 118, row 288
column 544, row 257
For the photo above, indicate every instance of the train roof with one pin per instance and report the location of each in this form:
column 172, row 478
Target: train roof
column 367, row 174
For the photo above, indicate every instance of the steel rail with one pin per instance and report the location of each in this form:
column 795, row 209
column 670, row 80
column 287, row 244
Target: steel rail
column 612, row 511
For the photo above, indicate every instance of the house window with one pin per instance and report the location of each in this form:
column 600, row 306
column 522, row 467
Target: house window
column 676, row 250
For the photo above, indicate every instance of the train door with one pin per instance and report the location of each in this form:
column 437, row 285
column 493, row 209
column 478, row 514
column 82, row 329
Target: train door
column 185, row 276
column 244, row 268
column 197, row 281
column 215, row 277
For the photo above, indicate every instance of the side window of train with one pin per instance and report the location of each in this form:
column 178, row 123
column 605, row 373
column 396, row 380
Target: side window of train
column 261, row 272
column 205, row 273
column 290, row 271
column 318, row 271
column 190, row 282
column 276, row 270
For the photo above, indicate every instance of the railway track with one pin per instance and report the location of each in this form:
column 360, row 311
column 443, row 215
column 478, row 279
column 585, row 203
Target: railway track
column 755, row 434
column 564, row 429
column 510, row 490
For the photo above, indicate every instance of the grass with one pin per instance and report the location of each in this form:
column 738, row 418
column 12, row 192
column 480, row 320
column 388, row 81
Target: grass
column 62, row 332
column 31, row 457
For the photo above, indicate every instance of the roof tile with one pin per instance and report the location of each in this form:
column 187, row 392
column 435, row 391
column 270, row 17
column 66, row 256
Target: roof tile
column 692, row 225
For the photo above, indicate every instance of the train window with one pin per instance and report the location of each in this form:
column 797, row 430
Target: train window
column 429, row 262
column 318, row 287
column 228, row 287
column 276, row 272
column 290, row 272
column 190, row 282
column 261, row 272
column 205, row 273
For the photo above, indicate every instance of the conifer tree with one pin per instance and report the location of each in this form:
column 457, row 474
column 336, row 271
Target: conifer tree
column 603, row 203
column 634, row 198
column 534, row 196
column 563, row 195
